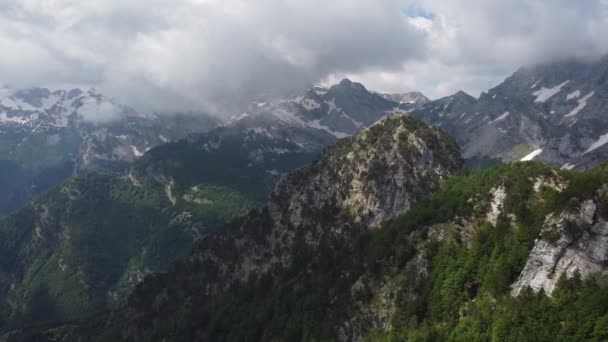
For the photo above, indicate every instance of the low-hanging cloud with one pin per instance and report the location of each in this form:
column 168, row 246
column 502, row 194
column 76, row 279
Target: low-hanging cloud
column 188, row 53
column 215, row 55
column 474, row 44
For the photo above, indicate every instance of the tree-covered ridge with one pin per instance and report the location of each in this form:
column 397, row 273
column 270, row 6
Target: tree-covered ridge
column 246, row 161
column 445, row 270
column 467, row 293
column 385, row 262
column 79, row 249
column 442, row 271
column 310, row 216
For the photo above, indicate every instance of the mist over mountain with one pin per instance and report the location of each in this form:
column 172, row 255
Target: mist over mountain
column 212, row 56
column 363, row 170
column 47, row 136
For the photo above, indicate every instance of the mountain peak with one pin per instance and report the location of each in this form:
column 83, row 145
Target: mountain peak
column 348, row 84
column 462, row 94
column 312, row 214
column 345, row 82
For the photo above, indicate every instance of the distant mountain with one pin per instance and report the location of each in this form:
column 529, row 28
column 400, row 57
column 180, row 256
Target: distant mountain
column 51, row 135
column 553, row 113
column 408, row 101
column 94, row 237
column 513, row 252
column 271, row 139
column 318, row 116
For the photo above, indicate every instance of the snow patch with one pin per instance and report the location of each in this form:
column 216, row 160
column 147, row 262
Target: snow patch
column 4, row 118
column 136, row 152
column 602, row 140
column 568, row 166
column 582, row 103
column 355, row 122
column 333, row 107
column 317, row 124
column 573, row 95
column 319, row 90
column 532, row 155
column 11, row 102
column 241, row 117
column 500, row 118
column 543, row 94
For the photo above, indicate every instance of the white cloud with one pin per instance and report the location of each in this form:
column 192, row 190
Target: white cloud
column 210, row 54
column 474, row 44
column 199, row 53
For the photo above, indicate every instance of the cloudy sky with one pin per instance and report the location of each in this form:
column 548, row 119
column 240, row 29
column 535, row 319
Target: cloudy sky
column 210, row 54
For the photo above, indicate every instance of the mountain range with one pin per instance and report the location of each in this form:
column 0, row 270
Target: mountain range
column 352, row 248
column 58, row 246
column 553, row 113
column 47, row 136
column 334, row 214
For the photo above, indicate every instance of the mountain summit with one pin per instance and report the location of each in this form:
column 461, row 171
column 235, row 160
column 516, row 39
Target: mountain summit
column 553, row 113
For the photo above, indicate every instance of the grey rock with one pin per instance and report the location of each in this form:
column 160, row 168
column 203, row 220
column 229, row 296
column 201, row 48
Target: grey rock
column 556, row 109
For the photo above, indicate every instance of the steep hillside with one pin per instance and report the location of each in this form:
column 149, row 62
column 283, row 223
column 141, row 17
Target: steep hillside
column 516, row 252
column 553, row 113
column 82, row 247
column 312, row 217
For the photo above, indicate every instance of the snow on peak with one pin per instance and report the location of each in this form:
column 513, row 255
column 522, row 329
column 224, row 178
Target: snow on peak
column 4, row 118
column 543, row 94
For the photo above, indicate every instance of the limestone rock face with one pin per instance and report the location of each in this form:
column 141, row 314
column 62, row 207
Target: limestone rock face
column 356, row 185
column 584, row 251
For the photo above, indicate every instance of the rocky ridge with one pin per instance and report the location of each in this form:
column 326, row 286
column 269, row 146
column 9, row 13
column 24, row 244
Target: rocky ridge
column 552, row 113
column 354, row 187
